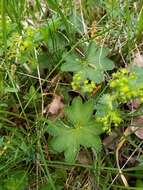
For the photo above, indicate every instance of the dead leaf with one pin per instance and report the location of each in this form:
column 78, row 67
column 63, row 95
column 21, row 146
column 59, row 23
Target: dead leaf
column 55, row 80
column 138, row 130
column 56, row 107
column 136, row 103
column 84, row 157
column 93, row 29
column 138, row 59
column 110, row 141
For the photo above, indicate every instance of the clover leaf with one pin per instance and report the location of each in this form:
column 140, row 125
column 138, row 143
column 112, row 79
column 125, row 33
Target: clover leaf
column 93, row 65
column 80, row 130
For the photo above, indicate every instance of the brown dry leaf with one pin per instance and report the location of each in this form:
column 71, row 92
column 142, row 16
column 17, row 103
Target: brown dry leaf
column 138, row 59
column 93, row 29
column 55, row 80
column 56, row 107
column 134, row 104
column 138, row 130
column 84, row 157
column 110, row 141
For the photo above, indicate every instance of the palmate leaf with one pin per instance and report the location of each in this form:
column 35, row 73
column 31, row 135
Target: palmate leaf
column 84, row 131
column 92, row 66
column 72, row 63
column 79, row 113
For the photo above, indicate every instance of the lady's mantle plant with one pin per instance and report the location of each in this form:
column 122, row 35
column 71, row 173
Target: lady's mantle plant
column 89, row 69
column 127, row 84
column 80, row 127
column 108, row 112
column 79, row 130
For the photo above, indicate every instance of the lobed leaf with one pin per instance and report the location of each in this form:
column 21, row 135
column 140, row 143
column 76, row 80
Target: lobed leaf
column 92, row 66
column 72, row 63
column 84, row 131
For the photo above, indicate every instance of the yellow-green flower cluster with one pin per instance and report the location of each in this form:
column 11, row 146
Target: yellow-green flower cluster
column 112, row 117
column 28, row 39
column 124, row 86
column 107, row 112
column 82, row 84
column 22, row 46
column 14, row 44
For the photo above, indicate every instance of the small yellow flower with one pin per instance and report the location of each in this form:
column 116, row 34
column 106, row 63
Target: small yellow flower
column 78, row 78
column 124, row 71
column 112, row 84
column 125, row 89
column 141, row 99
column 27, row 44
column 86, row 82
column 93, row 85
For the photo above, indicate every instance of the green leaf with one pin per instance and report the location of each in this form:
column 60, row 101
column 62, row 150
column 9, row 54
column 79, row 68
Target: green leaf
column 95, row 75
column 32, row 94
column 83, row 131
column 16, row 181
column 93, row 65
column 139, row 184
column 72, row 63
column 139, row 25
column 76, row 114
column 138, row 82
column 105, row 105
column 107, row 112
column 96, row 56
